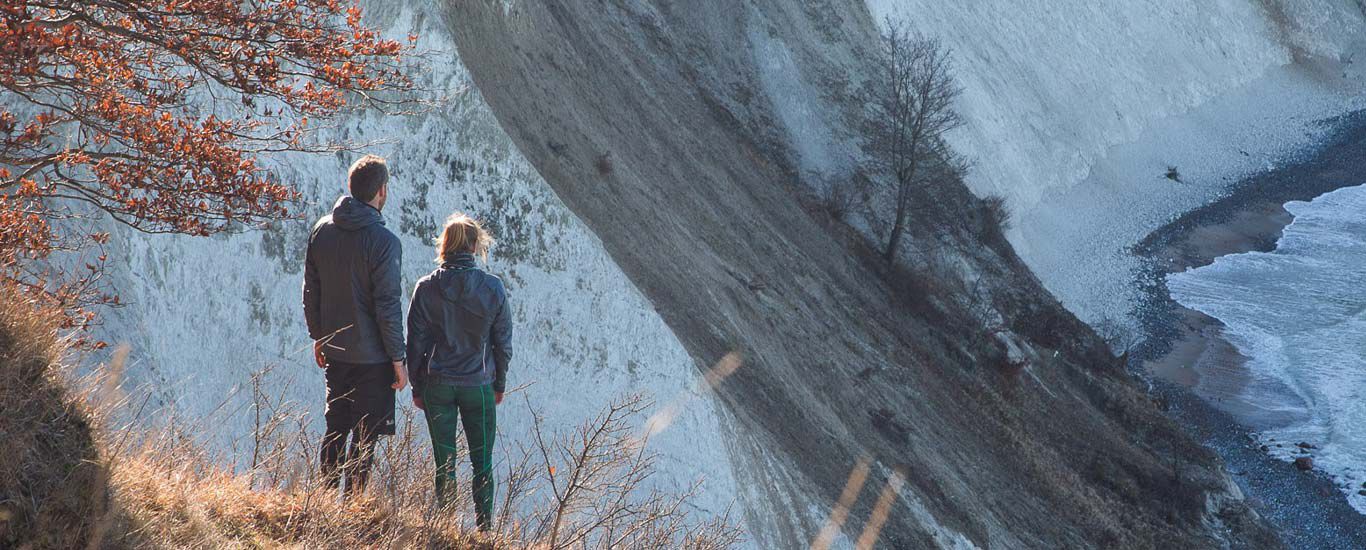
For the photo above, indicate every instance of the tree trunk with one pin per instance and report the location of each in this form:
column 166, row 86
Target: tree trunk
column 894, row 241
column 903, row 192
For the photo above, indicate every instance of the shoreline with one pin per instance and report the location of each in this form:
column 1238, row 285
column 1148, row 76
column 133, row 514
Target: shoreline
column 1190, row 366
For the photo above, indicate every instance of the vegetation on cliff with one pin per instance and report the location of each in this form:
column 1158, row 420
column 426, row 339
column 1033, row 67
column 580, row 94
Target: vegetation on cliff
column 81, row 468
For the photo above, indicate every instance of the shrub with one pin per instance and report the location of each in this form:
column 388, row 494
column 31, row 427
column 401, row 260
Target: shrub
column 839, row 199
column 997, row 212
column 603, row 164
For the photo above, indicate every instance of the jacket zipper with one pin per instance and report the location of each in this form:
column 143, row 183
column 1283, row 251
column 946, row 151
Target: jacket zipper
column 431, row 357
column 484, row 357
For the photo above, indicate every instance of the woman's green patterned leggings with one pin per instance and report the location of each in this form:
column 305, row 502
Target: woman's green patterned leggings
column 473, row 407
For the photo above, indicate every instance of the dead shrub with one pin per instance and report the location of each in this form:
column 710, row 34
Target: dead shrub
column 997, row 212
column 603, row 164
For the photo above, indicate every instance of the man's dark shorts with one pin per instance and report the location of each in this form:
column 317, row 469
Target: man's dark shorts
column 360, row 396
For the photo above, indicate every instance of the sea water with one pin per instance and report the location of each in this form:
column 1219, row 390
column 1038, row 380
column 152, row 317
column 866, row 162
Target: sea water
column 1298, row 313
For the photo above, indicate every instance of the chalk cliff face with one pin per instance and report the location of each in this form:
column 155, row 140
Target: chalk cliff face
column 205, row 314
column 648, row 169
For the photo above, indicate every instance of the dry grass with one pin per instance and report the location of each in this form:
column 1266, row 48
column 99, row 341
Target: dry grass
column 51, row 480
column 182, row 504
column 71, row 476
column 70, row 479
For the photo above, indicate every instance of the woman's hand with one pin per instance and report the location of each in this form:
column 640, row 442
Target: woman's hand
column 318, row 354
column 417, row 402
column 497, row 398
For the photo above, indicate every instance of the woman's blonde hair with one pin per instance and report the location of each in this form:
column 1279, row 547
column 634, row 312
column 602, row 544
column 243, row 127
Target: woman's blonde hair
column 463, row 234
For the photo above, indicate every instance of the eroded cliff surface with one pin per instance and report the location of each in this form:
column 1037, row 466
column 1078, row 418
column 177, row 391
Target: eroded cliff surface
column 684, row 137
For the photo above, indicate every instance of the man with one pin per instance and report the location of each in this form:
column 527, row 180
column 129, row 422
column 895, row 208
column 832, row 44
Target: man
column 355, row 318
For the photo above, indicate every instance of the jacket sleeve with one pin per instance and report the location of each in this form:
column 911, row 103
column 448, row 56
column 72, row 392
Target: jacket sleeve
column 419, row 341
column 312, row 294
column 386, row 278
column 501, row 339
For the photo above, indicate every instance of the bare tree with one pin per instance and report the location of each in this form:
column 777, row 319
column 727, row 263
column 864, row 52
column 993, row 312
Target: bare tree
column 909, row 104
column 596, row 478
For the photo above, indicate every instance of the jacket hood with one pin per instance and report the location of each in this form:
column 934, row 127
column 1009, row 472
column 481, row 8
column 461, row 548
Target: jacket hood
column 350, row 214
column 454, row 287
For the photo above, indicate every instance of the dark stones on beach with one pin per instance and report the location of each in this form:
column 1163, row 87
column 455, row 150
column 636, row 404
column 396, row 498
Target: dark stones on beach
column 1304, row 463
column 1362, row 492
column 1304, row 445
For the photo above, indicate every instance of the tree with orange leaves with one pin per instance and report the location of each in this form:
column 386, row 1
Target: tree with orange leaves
column 157, row 112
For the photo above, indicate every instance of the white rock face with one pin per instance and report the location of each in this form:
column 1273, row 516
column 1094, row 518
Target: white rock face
column 204, row 314
column 1075, row 110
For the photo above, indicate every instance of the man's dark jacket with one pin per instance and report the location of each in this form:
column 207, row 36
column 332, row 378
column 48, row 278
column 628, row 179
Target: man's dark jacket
column 352, row 290
column 459, row 327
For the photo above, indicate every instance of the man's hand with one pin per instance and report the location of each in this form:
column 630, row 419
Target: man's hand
column 400, row 375
column 417, row 401
column 497, row 398
column 318, row 354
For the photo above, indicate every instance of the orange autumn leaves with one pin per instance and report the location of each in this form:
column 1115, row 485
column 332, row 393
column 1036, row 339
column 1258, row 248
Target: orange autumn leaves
column 156, row 112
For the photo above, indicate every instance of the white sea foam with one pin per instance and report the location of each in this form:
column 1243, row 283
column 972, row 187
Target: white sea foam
column 1299, row 314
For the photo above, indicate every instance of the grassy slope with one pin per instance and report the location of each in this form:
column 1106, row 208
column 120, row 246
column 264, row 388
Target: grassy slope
column 53, row 487
column 64, row 485
column 72, row 477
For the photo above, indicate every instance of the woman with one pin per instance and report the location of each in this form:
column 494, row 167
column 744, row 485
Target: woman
column 459, row 346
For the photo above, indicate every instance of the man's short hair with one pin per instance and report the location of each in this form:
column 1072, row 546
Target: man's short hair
column 367, row 176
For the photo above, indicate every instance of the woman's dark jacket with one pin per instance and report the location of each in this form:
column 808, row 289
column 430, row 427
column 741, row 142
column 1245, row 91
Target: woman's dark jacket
column 459, row 327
